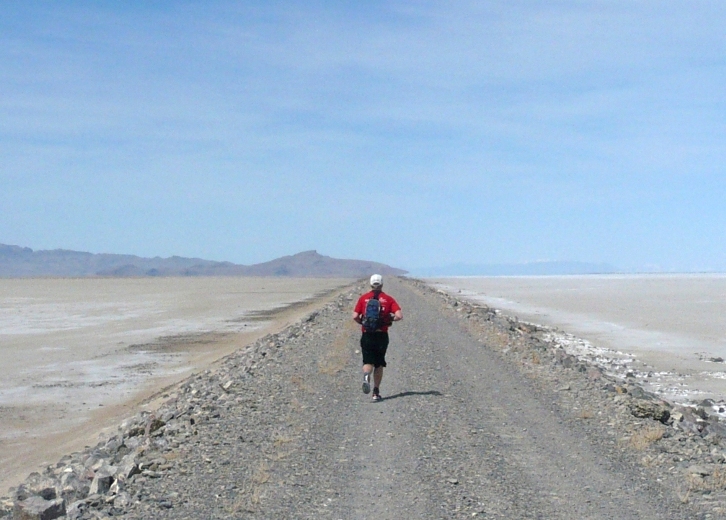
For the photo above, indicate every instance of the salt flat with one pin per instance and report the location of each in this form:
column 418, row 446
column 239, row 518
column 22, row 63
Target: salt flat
column 80, row 354
column 669, row 324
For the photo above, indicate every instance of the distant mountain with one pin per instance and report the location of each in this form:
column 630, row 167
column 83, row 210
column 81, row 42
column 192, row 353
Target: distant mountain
column 18, row 261
column 526, row 269
column 310, row 263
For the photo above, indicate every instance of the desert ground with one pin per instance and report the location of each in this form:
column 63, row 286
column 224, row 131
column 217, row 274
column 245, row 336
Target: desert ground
column 79, row 355
column 673, row 324
column 483, row 415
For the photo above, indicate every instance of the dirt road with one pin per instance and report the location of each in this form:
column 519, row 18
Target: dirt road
column 461, row 433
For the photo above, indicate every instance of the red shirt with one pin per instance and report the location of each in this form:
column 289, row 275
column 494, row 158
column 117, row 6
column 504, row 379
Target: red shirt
column 388, row 305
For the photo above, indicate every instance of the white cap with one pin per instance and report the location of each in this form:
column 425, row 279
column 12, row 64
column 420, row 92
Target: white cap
column 376, row 279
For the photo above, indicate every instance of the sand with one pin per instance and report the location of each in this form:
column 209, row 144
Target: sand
column 79, row 355
column 669, row 323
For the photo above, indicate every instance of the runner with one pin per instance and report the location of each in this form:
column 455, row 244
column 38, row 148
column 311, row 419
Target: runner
column 374, row 341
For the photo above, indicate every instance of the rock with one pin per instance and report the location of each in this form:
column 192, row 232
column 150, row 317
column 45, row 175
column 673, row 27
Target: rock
column 75, row 510
column 639, row 393
column 706, row 403
column 565, row 359
column 134, row 442
column 153, row 425
column 113, row 444
column 102, row 480
column 93, row 461
column 93, row 500
column 594, row 374
column 37, row 485
column 649, row 410
column 38, row 508
column 691, row 422
column 715, row 431
column 701, row 412
column 73, row 487
column 122, row 500
column 6, row 508
column 698, row 469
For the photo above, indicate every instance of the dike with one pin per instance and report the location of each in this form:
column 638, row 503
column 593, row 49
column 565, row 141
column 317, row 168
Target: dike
column 682, row 447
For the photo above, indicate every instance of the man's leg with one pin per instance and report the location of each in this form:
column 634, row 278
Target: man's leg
column 377, row 377
column 380, row 363
column 367, row 369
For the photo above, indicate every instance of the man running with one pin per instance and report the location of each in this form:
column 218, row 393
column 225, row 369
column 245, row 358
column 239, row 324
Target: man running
column 373, row 343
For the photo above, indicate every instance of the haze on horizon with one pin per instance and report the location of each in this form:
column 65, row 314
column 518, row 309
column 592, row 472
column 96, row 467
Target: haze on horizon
column 416, row 134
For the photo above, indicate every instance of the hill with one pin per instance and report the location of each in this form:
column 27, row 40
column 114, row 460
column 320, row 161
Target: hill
column 16, row 262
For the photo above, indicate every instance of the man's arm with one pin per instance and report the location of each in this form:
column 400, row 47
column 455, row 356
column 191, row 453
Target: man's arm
column 357, row 317
column 396, row 314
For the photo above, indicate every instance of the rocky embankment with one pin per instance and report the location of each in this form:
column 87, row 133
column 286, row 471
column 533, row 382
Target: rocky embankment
column 681, row 445
column 103, row 479
column 108, row 480
column 681, row 448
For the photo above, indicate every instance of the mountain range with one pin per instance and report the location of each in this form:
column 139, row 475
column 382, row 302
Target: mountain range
column 16, row 261
column 543, row 268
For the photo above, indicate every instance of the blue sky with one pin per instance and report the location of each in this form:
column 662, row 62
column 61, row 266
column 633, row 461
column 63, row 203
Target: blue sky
column 413, row 133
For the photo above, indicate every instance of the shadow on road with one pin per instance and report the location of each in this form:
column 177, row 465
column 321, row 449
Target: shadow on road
column 407, row 394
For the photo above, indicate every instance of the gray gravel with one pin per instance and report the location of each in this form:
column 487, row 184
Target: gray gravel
column 478, row 419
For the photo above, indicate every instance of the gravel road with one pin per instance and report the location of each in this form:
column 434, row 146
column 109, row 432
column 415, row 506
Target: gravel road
column 462, row 432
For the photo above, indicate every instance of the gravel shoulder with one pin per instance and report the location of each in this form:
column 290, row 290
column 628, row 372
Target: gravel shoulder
column 480, row 418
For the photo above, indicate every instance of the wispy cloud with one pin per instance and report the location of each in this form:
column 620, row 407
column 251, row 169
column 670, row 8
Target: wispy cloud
column 500, row 131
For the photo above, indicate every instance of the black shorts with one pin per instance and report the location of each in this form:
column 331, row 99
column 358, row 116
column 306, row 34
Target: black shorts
column 374, row 346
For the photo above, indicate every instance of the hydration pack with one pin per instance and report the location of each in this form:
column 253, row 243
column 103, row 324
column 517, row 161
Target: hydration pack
column 372, row 318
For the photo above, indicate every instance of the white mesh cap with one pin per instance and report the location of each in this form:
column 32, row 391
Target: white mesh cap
column 376, row 279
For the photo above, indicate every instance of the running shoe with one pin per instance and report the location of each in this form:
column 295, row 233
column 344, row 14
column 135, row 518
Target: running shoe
column 366, row 383
column 377, row 397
